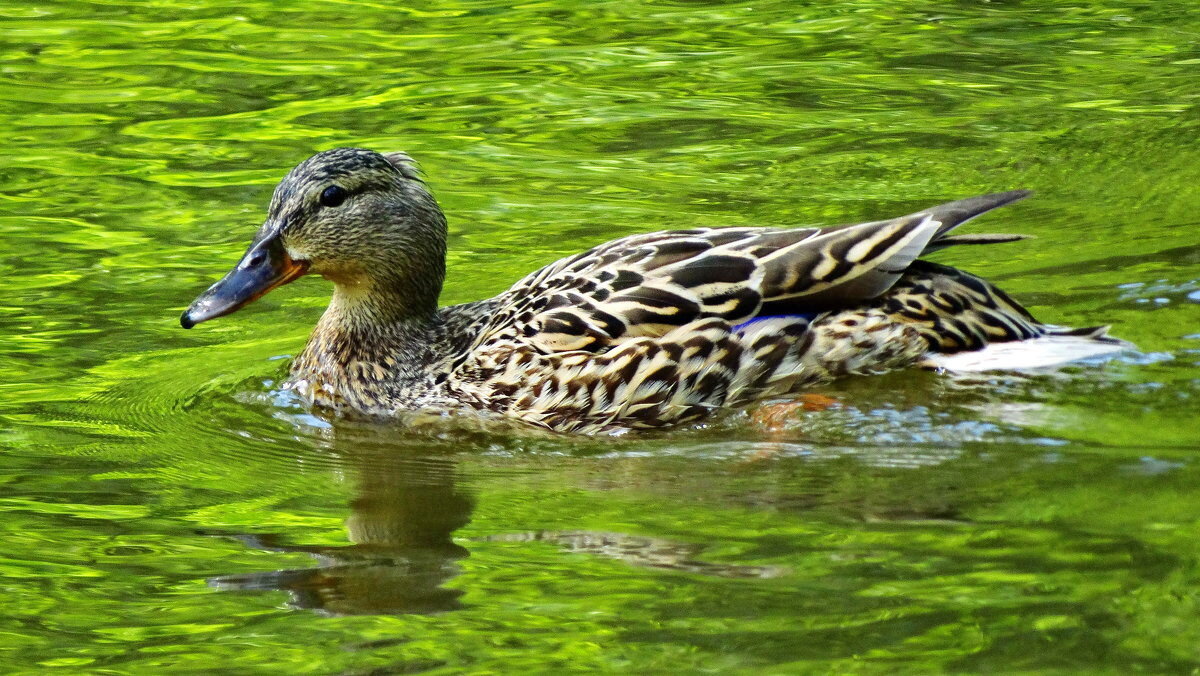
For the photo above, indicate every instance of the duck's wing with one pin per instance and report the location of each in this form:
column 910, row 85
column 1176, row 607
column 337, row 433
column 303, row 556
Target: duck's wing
column 648, row 285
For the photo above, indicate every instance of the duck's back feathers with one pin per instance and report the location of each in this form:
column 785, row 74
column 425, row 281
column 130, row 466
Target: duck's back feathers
column 649, row 285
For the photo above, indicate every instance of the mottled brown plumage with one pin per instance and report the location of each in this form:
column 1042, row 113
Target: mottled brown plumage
column 640, row 332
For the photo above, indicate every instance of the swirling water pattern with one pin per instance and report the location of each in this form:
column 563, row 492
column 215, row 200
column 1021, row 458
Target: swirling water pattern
column 168, row 508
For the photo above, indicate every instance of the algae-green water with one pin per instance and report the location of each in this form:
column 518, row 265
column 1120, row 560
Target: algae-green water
column 166, row 508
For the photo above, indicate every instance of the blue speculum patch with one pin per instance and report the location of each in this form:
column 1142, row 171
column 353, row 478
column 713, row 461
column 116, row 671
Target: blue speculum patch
column 808, row 316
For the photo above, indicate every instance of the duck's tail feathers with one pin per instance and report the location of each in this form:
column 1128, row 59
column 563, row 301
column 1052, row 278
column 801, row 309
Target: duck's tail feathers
column 953, row 214
column 836, row 267
column 954, row 240
column 1098, row 333
column 1058, row 346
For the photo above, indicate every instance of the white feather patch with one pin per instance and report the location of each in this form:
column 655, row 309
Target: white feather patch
column 1036, row 353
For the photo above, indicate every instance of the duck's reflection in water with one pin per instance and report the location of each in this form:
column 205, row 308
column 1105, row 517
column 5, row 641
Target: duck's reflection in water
column 400, row 524
column 402, row 519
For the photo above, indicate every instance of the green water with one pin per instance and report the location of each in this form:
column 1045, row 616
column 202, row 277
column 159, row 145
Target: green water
column 166, row 509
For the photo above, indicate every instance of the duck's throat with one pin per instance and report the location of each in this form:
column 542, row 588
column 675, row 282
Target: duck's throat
column 364, row 348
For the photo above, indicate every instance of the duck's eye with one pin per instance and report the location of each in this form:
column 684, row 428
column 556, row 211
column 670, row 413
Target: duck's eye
column 333, row 196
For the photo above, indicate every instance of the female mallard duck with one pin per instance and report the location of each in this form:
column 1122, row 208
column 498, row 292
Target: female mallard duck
column 643, row 331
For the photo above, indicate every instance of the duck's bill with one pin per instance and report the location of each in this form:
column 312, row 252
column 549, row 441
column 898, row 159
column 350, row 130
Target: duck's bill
column 264, row 267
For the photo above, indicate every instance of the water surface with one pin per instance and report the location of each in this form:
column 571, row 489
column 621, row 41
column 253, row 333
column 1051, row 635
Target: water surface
column 166, row 508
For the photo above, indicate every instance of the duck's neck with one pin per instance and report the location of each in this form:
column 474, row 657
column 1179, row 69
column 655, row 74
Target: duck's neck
column 370, row 334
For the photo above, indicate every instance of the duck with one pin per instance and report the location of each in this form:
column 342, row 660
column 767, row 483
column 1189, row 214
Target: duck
column 645, row 331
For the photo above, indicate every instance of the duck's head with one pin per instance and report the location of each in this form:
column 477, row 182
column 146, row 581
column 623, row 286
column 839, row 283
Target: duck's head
column 361, row 219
